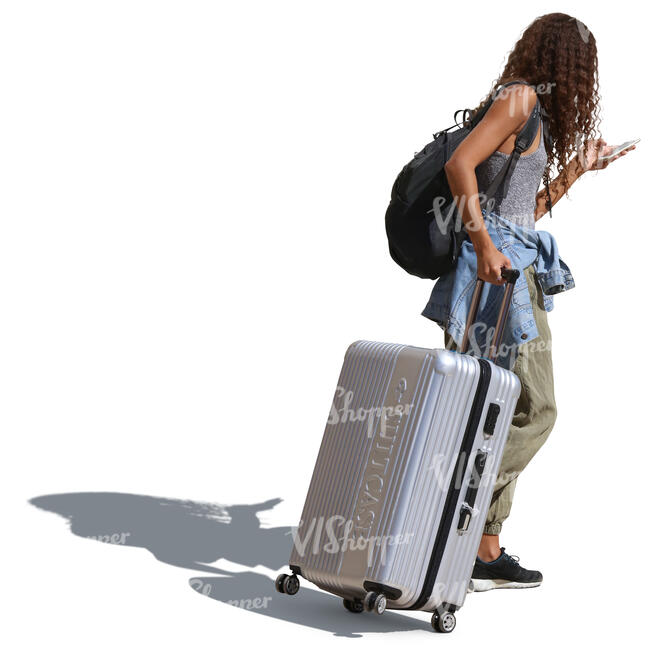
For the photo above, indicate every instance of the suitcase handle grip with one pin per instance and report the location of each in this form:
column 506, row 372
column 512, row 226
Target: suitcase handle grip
column 510, row 276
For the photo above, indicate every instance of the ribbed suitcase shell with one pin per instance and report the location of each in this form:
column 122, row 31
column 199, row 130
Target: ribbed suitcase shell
column 385, row 476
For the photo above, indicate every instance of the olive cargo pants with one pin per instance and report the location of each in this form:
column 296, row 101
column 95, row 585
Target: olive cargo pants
column 535, row 411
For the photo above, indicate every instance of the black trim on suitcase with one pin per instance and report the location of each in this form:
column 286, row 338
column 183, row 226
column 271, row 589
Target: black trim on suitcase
column 455, row 485
column 390, row 592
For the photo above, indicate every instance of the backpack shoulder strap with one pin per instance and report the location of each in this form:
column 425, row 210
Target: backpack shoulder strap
column 524, row 141
column 527, row 135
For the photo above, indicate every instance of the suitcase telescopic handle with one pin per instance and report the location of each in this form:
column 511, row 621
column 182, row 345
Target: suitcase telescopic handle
column 510, row 276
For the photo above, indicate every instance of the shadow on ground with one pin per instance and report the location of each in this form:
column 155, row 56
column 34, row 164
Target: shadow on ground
column 193, row 535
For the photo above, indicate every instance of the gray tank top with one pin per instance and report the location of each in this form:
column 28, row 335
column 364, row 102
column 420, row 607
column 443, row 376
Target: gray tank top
column 520, row 202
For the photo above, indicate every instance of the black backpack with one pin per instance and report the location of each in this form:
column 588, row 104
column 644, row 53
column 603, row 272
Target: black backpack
column 423, row 225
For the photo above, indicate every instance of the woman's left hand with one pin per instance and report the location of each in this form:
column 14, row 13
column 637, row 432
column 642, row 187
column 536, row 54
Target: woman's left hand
column 589, row 153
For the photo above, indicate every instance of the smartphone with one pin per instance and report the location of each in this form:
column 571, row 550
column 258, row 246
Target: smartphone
column 619, row 149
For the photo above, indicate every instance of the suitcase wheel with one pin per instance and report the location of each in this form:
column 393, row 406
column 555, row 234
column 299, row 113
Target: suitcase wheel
column 374, row 602
column 286, row 584
column 443, row 622
column 354, row 606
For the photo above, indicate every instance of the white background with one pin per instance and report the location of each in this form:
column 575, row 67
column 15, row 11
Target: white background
column 192, row 233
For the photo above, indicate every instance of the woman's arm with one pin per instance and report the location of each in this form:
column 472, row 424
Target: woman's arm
column 558, row 187
column 506, row 117
column 586, row 160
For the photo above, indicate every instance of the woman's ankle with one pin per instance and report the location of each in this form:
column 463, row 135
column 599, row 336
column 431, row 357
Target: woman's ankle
column 489, row 548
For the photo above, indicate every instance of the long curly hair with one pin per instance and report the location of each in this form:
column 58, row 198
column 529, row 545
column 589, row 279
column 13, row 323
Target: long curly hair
column 557, row 54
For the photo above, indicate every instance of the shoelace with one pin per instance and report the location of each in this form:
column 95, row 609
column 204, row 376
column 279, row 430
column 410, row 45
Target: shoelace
column 514, row 559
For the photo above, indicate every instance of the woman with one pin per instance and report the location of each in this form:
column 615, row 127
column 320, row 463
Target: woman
column 557, row 56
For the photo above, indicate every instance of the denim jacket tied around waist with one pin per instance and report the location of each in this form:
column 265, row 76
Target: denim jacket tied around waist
column 450, row 299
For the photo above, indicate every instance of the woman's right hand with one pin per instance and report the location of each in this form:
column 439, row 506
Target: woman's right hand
column 489, row 264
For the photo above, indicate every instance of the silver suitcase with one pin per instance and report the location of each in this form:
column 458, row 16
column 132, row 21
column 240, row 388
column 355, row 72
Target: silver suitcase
column 404, row 476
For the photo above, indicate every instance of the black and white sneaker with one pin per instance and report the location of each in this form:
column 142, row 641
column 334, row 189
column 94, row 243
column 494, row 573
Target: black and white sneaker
column 502, row 573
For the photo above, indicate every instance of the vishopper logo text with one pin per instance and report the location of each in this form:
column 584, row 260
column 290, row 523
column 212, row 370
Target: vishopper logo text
column 340, row 537
column 447, row 215
column 509, row 93
column 345, row 413
column 506, row 352
column 113, row 538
